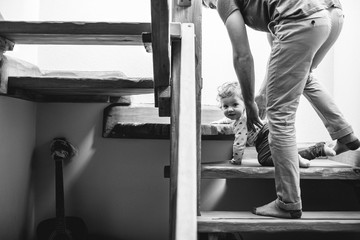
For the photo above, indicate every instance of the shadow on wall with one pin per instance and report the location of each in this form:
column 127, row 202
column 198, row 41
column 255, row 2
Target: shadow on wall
column 115, row 185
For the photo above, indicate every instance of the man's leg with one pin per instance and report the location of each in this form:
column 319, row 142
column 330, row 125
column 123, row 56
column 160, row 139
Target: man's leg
column 322, row 102
column 293, row 49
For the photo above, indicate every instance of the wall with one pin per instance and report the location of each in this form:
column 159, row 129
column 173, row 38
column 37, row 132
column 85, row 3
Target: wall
column 347, row 62
column 115, row 185
column 17, row 142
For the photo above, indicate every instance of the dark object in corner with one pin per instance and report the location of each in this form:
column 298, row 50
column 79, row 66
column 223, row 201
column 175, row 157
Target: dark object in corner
column 61, row 227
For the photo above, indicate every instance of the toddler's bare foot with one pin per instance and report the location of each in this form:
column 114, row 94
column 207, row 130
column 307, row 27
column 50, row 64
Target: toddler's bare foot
column 349, row 142
column 272, row 210
column 304, row 163
column 329, row 151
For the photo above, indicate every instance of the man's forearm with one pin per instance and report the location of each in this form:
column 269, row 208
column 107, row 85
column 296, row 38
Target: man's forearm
column 244, row 68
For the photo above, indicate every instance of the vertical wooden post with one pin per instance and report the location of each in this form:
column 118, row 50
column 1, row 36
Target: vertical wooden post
column 193, row 14
column 183, row 172
column 161, row 55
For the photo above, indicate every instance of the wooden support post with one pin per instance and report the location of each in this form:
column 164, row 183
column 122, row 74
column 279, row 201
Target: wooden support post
column 161, row 54
column 193, row 15
column 183, row 221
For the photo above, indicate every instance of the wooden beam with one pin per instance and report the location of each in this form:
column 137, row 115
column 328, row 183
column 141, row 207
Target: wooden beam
column 160, row 46
column 250, row 168
column 159, row 130
column 193, row 15
column 221, row 221
column 62, row 86
column 183, row 143
column 77, row 33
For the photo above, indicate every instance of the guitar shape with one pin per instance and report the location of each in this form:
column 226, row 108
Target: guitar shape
column 61, row 227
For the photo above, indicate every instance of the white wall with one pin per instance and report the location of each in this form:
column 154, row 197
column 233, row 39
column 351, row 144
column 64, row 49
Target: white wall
column 17, row 142
column 347, row 65
column 115, row 185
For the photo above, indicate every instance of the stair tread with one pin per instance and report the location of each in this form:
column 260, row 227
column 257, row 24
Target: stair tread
column 250, row 168
column 43, row 88
column 94, row 33
column 232, row 221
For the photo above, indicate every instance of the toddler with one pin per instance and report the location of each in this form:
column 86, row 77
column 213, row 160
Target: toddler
column 232, row 105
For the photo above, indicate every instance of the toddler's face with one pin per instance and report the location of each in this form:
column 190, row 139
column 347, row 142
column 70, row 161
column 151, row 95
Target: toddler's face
column 232, row 107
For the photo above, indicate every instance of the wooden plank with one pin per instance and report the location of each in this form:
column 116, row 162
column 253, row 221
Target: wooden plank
column 63, row 86
column 146, row 113
column 77, row 33
column 250, row 168
column 183, row 143
column 29, row 82
column 160, row 45
column 221, row 221
column 164, row 101
column 193, row 15
column 118, row 116
column 322, row 169
column 138, row 131
column 141, row 130
column 83, row 33
column 174, row 135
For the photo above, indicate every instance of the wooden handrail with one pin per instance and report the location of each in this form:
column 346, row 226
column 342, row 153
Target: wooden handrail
column 183, row 164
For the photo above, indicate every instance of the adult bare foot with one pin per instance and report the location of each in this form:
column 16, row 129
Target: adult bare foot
column 272, row 210
column 346, row 143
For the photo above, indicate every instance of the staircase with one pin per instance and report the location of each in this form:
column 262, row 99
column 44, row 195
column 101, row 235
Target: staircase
column 336, row 168
column 176, row 83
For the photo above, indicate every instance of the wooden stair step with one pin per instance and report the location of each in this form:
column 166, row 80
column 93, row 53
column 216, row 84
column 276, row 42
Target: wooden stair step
column 154, row 131
column 75, row 88
column 250, row 168
column 75, row 33
column 323, row 221
column 341, row 167
column 143, row 121
column 323, row 169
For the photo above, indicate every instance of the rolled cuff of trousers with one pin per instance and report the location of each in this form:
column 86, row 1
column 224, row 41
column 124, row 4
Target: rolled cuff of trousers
column 288, row 206
column 341, row 133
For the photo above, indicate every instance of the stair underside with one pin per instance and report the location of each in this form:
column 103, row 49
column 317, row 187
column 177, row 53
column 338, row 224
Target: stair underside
column 47, row 89
column 74, row 33
column 226, row 221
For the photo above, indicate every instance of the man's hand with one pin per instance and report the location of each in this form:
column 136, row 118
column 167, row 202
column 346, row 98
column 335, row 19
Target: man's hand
column 253, row 117
column 261, row 104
